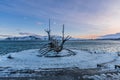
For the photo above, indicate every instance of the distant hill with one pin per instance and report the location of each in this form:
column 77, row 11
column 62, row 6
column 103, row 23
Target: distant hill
column 23, row 38
column 110, row 36
column 35, row 37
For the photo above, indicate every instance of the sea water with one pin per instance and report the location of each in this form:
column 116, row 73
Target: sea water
column 92, row 46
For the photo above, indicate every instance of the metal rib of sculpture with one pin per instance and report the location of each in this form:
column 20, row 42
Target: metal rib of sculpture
column 54, row 46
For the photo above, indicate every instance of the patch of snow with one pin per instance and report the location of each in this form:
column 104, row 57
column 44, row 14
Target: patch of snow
column 29, row 59
column 108, row 76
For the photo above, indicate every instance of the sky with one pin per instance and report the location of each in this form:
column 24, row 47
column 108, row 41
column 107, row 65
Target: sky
column 82, row 18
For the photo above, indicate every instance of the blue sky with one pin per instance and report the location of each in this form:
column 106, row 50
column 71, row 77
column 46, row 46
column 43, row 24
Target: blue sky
column 82, row 18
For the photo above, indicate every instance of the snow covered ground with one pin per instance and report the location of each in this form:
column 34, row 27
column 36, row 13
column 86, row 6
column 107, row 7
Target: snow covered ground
column 29, row 59
column 108, row 76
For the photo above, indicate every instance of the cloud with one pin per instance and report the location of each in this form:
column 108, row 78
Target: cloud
column 27, row 34
column 65, row 10
column 39, row 23
column 1, row 35
column 82, row 16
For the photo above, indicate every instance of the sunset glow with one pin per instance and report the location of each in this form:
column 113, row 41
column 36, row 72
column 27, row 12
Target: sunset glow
column 91, row 36
column 82, row 18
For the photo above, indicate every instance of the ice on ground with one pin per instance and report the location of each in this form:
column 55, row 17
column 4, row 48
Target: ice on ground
column 107, row 76
column 28, row 59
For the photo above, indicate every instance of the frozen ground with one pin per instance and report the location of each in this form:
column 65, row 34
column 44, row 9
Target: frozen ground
column 28, row 60
column 108, row 76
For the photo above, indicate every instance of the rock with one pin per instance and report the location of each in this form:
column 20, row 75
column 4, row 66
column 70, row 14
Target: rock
column 10, row 57
column 117, row 66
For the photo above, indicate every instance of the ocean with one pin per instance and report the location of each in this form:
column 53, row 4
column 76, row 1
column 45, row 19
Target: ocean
column 92, row 46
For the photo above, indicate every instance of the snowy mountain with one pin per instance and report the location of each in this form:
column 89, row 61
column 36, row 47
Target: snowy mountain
column 23, row 38
column 35, row 37
column 110, row 36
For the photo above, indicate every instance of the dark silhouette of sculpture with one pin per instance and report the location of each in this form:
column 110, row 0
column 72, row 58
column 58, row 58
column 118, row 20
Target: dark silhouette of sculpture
column 53, row 44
